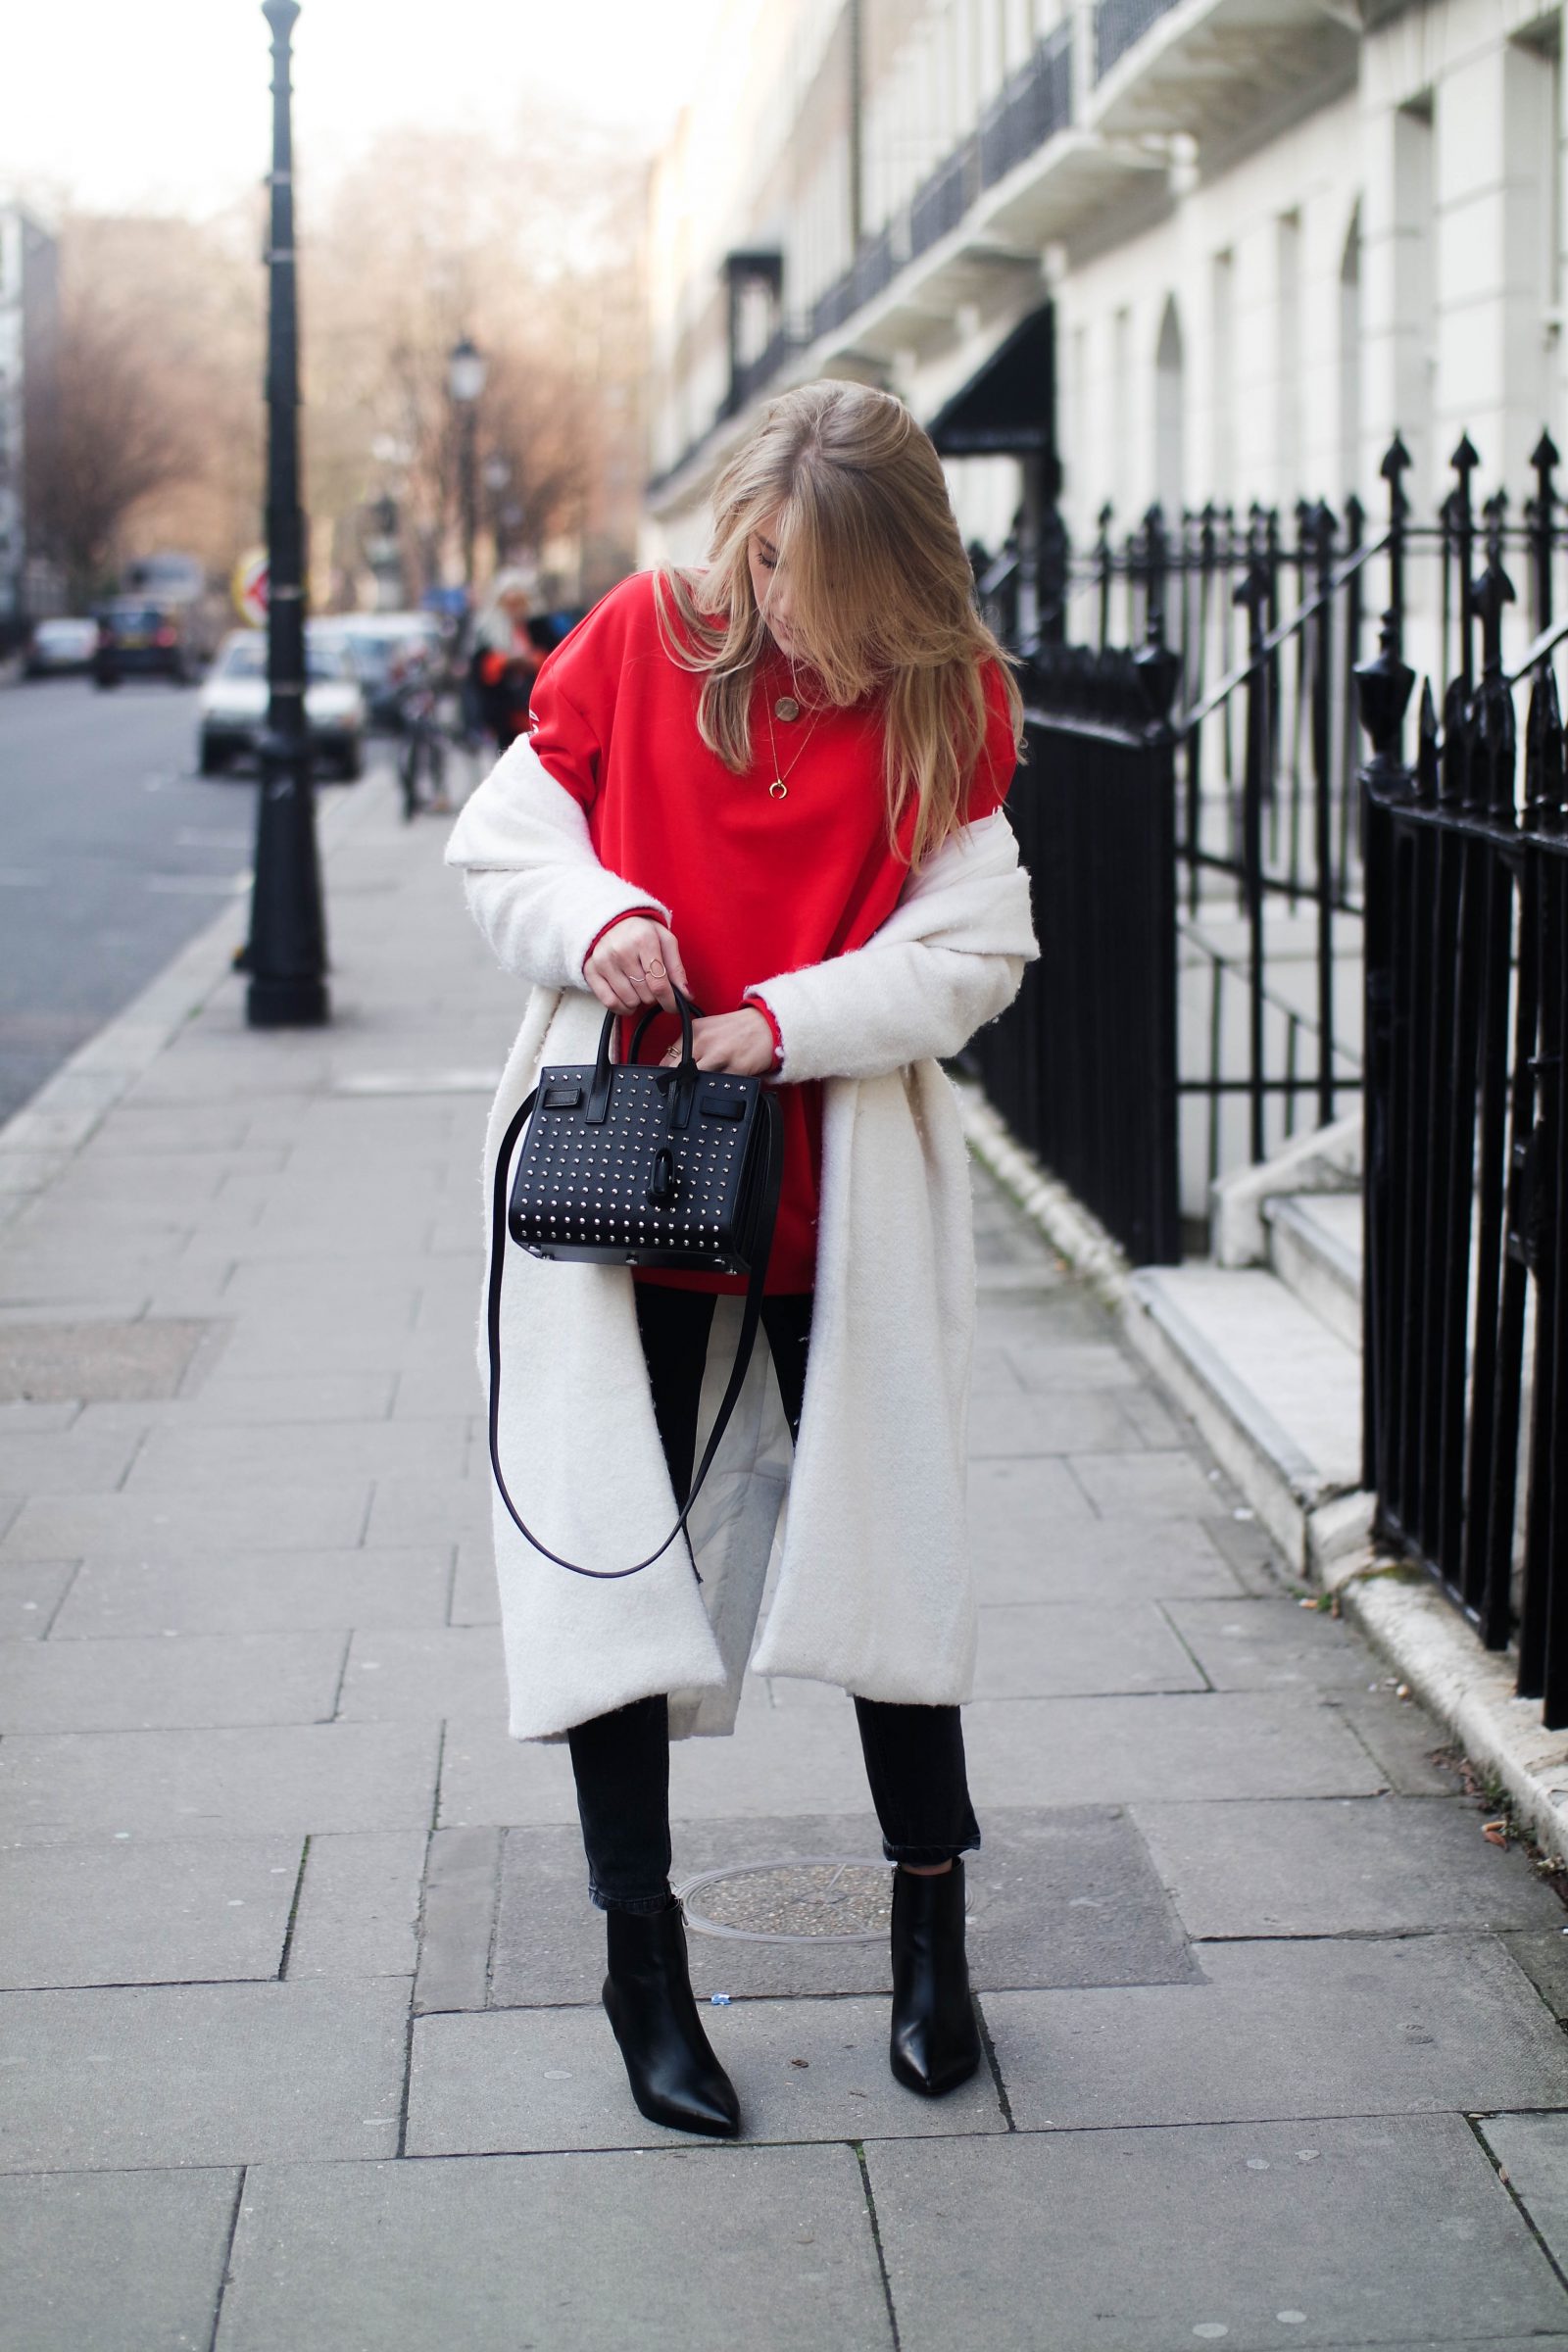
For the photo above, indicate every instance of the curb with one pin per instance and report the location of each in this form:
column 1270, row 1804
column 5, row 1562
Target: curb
column 41, row 1138
column 1407, row 1620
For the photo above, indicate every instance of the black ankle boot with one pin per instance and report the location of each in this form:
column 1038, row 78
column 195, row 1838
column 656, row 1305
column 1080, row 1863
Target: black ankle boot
column 936, row 2042
column 675, row 2078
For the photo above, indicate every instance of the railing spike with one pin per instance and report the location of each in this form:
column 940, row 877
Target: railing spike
column 1544, row 456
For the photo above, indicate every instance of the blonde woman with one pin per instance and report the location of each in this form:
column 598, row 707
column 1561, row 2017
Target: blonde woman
column 778, row 783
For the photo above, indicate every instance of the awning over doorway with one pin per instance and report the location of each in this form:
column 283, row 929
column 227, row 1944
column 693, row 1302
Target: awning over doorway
column 1007, row 408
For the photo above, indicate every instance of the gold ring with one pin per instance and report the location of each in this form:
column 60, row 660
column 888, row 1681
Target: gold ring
column 655, row 967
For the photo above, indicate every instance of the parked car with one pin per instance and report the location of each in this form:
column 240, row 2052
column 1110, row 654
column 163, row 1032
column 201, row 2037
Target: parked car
column 374, row 641
column 136, row 634
column 59, row 648
column 233, row 706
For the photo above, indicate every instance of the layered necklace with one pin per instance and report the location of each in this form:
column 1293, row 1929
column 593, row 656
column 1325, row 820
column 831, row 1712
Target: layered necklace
column 786, row 707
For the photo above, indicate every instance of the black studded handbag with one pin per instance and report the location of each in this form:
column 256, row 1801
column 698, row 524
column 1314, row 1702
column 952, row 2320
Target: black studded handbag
column 627, row 1165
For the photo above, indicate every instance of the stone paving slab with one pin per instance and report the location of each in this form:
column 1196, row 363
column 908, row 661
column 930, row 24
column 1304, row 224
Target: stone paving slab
column 192, row 1461
column 1054, row 1649
column 1270, row 1643
column 1033, row 1537
column 68, row 1461
column 517, row 2080
column 1394, row 2231
column 809, row 1756
column 410, row 1510
column 200, row 2073
column 30, row 1595
column 1306, row 2029
column 475, row 1599
column 695, row 2250
column 133, row 1912
column 359, row 1905
column 305, row 1396
column 1052, row 1421
column 1339, row 1866
column 170, row 1682
column 279, row 1518
column 1211, row 1745
column 278, row 1592
column 395, row 1674
column 1409, row 1750
column 258, row 1782
column 1055, row 1898
column 1143, row 1486
column 1533, row 2152
column 115, row 2262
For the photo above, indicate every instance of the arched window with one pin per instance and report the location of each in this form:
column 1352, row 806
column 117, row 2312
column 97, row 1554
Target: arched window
column 1170, row 413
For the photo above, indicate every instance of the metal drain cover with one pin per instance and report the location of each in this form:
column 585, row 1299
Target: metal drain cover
column 815, row 1899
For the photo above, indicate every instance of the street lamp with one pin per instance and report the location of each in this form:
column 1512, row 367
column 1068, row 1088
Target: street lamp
column 466, row 374
column 498, row 481
column 286, row 957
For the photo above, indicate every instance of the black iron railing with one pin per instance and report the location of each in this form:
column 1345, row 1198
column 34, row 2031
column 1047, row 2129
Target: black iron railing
column 1083, row 1065
column 1466, row 1202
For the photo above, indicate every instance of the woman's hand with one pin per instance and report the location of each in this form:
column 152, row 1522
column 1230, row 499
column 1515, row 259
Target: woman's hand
column 739, row 1042
column 633, row 965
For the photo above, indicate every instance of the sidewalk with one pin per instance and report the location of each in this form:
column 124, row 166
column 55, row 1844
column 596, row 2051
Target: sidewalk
column 303, row 2049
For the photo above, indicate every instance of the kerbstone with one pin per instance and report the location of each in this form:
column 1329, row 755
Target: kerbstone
column 188, row 1679
column 275, row 1592
column 1054, row 1649
column 1340, row 1865
column 1393, row 2231
column 1311, row 2029
column 1209, row 1744
column 698, row 2249
column 1533, row 2150
column 201, row 2074
column 260, row 1782
column 133, row 1912
column 515, row 2081
column 359, row 1905
column 114, row 2262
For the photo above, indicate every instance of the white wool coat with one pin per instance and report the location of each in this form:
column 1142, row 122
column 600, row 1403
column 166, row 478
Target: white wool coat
column 873, row 1589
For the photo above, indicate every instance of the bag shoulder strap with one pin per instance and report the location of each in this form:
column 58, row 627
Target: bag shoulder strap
column 749, row 1320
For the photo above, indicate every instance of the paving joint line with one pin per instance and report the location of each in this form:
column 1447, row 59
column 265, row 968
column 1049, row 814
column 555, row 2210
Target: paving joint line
column 226, row 2276
column 857, row 2149
column 994, row 2063
column 287, row 1952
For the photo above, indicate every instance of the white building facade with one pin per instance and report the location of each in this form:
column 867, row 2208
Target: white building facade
column 1260, row 236
column 29, row 319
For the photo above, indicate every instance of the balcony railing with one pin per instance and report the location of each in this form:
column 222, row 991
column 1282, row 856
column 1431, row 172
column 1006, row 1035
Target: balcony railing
column 1035, row 103
column 1118, row 24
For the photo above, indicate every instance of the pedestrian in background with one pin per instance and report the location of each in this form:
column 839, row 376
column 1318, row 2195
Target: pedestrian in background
column 504, row 661
column 776, row 782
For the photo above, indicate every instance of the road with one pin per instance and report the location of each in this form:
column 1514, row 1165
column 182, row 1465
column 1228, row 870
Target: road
column 113, row 854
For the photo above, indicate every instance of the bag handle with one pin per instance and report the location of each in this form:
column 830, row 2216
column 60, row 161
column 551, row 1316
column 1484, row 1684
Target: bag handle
column 598, row 1109
column 750, row 1318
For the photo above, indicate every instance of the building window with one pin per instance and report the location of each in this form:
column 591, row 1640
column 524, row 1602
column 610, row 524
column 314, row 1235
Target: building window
column 1170, row 413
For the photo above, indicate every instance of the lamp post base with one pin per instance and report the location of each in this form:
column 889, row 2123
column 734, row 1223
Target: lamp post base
column 298, row 1003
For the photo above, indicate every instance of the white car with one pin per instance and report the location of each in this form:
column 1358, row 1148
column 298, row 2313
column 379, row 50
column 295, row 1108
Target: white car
column 233, row 704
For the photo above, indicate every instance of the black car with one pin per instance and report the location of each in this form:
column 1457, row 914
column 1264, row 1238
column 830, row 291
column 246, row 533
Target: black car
column 136, row 635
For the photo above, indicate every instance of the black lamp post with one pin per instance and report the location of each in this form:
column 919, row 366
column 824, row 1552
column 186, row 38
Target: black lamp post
column 466, row 374
column 288, row 957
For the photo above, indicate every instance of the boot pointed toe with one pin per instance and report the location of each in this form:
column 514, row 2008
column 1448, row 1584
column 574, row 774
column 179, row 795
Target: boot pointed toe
column 935, row 2041
column 674, row 2076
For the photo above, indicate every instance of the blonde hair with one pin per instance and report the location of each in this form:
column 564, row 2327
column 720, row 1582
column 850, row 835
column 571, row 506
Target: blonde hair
column 851, row 494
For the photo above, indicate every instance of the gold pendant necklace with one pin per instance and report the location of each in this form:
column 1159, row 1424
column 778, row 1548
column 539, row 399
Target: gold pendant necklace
column 786, row 707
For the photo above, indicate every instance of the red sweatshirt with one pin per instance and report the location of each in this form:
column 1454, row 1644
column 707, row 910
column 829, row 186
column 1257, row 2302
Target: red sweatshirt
column 756, row 884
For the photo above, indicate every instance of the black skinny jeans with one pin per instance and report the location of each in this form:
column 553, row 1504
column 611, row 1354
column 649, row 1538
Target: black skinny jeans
column 913, row 1756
